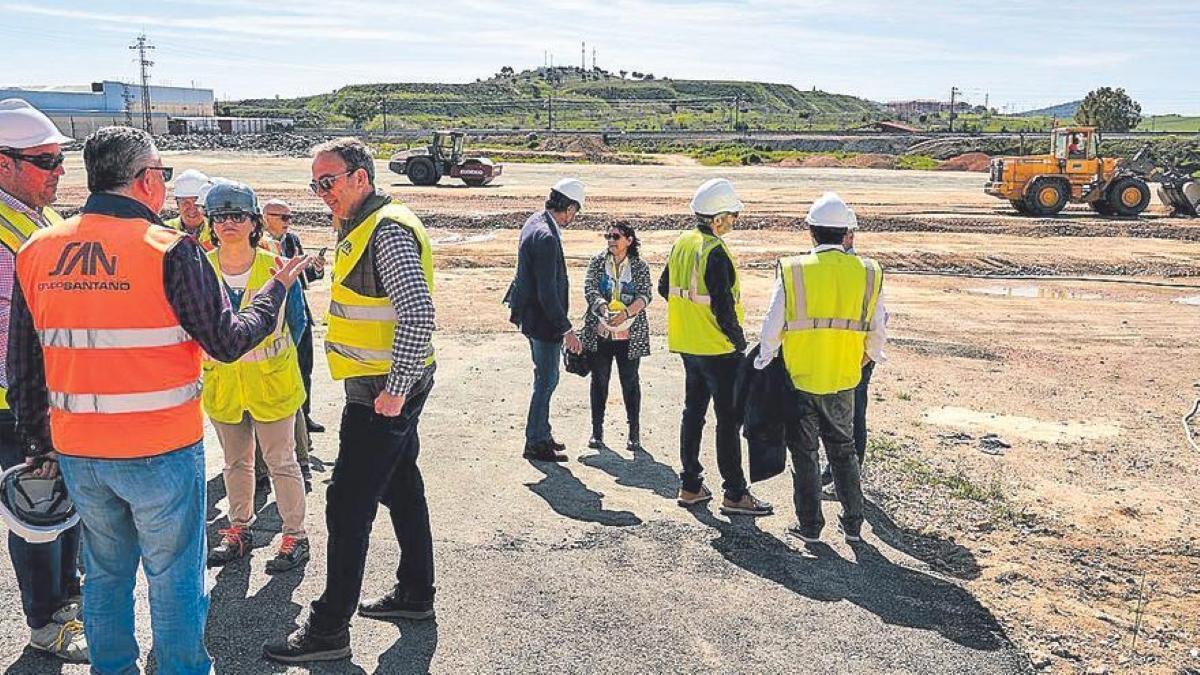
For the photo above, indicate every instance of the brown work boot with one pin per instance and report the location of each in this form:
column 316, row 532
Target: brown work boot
column 687, row 498
column 748, row 505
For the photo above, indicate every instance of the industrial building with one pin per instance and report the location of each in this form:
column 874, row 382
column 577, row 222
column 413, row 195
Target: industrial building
column 78, row 110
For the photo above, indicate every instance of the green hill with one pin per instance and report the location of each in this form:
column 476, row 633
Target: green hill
column 577, row 99
column 1060, row 111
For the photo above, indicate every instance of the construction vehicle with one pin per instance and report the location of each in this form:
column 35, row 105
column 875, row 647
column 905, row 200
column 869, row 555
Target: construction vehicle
column 444, row 157
column 1042, row 185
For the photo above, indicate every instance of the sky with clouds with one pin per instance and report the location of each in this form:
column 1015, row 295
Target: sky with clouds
column 1018, row 53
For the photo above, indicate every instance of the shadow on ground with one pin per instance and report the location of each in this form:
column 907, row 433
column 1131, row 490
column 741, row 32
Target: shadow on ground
column 945, row 556
column 569, row 497
column 897, row 595
column 640, row 470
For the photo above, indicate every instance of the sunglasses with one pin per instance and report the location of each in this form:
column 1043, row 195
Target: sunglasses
column 167, row 172
column 613, row 237
column 285, row 217
column 325, row 183
column 235, row 217
column 45, row 161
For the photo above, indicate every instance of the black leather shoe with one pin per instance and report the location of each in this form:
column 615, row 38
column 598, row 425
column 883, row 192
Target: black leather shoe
column 543, row 452
column 313, row 427
column 397, row 605
column 306, row 645
column 558, row 447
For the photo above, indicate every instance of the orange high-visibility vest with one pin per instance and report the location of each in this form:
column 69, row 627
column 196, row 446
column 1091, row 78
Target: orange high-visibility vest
column 123, row 376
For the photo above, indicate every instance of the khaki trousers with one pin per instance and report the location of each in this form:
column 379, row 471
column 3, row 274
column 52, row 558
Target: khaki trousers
column 278, row 443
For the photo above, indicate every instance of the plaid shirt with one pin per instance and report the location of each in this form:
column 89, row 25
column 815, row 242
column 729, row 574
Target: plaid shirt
column 7, row 272
column 194, row 293
column 394, row 270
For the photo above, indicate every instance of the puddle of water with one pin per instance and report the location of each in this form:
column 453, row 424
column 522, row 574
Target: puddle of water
column 1035, row 292
column 1189, row 300
column 1023, row 427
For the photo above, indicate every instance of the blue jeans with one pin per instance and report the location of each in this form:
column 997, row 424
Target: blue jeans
column 148, row 510
column 47, row 574
column 546, row 356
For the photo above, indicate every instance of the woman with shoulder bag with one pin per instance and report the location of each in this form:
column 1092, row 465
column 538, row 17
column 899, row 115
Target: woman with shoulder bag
column 617, row 290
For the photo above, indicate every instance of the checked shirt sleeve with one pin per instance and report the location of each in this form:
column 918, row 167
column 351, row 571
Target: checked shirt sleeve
column 399, row 265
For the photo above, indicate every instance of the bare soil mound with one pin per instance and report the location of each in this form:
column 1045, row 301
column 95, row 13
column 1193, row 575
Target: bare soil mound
column 870, row 161
column 971, row 161
column 592, row 146
column 820, row 162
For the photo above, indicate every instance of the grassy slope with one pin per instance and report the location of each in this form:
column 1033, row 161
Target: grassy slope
column 591, row 102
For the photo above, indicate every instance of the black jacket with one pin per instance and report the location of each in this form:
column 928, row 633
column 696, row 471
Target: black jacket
column 764, row 398
column 538, row 298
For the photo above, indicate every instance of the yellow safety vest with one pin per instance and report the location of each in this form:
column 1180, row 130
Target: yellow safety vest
column 829, row 300
column 15, row 228
column 266, row 381
column 362, row 328
column 691, row 325
column 206, row 233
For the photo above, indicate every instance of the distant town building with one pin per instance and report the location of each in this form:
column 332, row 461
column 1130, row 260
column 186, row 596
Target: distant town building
column 78, row 110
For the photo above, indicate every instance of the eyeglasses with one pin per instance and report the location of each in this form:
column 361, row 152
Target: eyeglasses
column 613, row 237
column 234, row 217
column 285, row 217
column 325, row 183
column 44, row 161
column 167, row 172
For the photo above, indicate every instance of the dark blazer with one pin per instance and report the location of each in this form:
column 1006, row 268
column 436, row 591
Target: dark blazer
column 539, row 297
column 764, row 399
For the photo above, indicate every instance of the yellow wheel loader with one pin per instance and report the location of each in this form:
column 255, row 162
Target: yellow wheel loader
column 1041, row 185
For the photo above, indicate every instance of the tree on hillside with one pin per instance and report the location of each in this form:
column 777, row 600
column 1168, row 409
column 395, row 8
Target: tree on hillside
column 506, row 71
column 1109, row 109
column 623, row 73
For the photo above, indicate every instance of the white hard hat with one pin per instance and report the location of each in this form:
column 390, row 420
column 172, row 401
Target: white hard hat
column 571, row 187
column 189, row 183
column 24, row 126
column 37, row 510
column 830, row 211
column 714, row 197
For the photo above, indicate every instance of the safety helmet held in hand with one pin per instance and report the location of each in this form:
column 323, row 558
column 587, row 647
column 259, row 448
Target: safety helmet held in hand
column 24, row 126
column 231, row 198
column 714, row 197
column 572, row 188
column 37, row 510
column 830, row 211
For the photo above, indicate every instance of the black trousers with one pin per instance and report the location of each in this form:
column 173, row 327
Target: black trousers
column 824, row 419
column 304, row 352
column 711, row 378
column 377, row 463
column 631, row 387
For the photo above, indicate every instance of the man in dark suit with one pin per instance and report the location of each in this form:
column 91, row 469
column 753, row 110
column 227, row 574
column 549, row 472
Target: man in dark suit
column 539, row 304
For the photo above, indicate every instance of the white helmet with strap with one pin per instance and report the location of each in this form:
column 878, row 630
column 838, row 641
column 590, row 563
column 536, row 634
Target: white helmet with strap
column 35, row 509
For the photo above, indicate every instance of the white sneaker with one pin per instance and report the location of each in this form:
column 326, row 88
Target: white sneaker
column 64, row 640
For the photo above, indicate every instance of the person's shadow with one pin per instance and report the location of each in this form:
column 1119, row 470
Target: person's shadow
column 569, row 497
column 640, row 471
column 413, row 651
column 944, row 556
column 897, row 595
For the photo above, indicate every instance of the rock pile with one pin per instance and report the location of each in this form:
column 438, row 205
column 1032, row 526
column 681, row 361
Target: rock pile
column 279, row 143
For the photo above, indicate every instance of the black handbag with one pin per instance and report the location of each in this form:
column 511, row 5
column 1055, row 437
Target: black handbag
column 577, row 364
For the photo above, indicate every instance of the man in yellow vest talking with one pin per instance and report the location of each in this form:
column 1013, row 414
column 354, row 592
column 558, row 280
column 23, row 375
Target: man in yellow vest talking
column 381, row 322
column 704, row 326
column 827, row 317
column 30, row 165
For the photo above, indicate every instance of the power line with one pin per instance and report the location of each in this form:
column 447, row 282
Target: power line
column 142, row 46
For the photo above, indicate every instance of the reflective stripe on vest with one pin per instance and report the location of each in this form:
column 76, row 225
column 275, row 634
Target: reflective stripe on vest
column 114, row 338
column 362, row 328
column 265, row 382
column 691, row 325
column 123, row 377
column 15, row 229
column 115, row 404
column 823, row 353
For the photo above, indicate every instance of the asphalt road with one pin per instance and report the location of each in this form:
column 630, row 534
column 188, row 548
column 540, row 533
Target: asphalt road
column 588, row 566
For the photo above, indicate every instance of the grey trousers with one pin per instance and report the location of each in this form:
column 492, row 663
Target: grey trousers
column 828, row 419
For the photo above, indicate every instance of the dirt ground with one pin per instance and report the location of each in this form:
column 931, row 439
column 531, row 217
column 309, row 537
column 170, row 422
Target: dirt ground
column 1026, row 444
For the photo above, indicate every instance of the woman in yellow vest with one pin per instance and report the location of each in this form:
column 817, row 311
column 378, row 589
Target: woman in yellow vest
column 258, row 395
